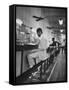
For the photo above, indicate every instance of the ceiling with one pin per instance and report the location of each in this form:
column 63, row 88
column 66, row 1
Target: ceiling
column 54, row 15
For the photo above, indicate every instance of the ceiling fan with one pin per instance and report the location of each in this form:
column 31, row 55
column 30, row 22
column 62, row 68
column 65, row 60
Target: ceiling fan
column 38, row 18
column 42, row 18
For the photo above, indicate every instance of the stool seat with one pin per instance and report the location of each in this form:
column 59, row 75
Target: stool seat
column 35, row 59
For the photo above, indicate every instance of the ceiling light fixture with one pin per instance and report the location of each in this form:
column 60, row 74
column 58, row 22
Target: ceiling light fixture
column 61, row 30
column 60, row 21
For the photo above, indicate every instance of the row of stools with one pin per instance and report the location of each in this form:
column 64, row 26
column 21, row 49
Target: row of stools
column 46, row 63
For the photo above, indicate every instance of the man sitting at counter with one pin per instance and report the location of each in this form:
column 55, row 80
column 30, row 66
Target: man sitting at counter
column 40, row 53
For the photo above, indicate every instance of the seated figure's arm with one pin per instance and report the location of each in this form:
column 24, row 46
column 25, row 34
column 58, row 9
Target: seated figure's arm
column 35, row 40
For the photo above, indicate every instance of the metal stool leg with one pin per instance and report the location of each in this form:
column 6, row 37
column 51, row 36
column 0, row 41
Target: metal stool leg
column 41, row 72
